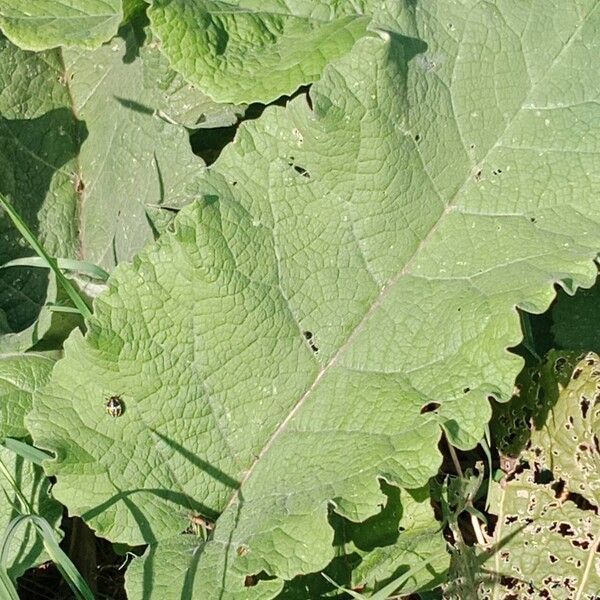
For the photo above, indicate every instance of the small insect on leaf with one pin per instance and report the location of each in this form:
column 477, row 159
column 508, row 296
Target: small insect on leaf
column 114, row 406
column 202, row 522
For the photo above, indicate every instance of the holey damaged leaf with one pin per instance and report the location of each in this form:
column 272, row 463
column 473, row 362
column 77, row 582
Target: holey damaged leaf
column 548, row 529
column 344, row 289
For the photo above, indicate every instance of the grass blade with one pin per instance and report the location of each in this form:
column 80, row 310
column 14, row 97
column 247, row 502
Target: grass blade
column 71, row 575
column 24, row 230
column 7, row 588
column 26, row 451
column 61, row 308
column 385, row 592
column 352, row 593
column 26, row 507
column 66, row 264
column 390, row 588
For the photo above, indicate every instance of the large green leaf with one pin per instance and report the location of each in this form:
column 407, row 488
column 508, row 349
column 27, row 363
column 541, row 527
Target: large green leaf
column 248, row 52
column 132, row 158
column 344, row 290
column 20, row 375
column 51, row 23
column 402, row 536
column 83, row 188
column 544, row 546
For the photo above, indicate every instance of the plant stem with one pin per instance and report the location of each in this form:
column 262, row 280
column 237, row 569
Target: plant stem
column 474, row 520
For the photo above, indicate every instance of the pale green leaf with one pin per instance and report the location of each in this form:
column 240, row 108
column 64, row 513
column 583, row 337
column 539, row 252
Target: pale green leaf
column 169, row 570
column 27, row 549
column 35, row 25
column 402, row 536
column 20, row 376
column 245, row 52
column 419, row 540
column 546, row 546
column 535, row 394
column 343, row 290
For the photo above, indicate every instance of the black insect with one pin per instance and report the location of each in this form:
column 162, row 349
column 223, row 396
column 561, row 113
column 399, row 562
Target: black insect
column 114, row 406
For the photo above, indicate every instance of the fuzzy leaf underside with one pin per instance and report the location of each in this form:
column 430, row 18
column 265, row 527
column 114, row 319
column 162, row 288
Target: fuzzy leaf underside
column 344, row 268
column 246, row 52
column 51, row 23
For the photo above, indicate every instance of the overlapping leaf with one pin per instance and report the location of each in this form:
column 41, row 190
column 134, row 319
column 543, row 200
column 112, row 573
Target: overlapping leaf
column 181, row 101
column 85, row 155
column 132, row 158
column 40, row 140
column 404, row 535
column 344, row 288
column 51, row 23
column 248, row 51
column 536, row 392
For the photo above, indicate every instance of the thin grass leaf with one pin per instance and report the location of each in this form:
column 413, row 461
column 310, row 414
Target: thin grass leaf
column 7, row 588
column 343, row 589
column 486, row 445
column 26, row 451
column 66, row 264
column 385, row 592
column 68, row 570
column 396, row 584
column 63, row 309
column 26, row 506
column 71, row 575
column 24, row 230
